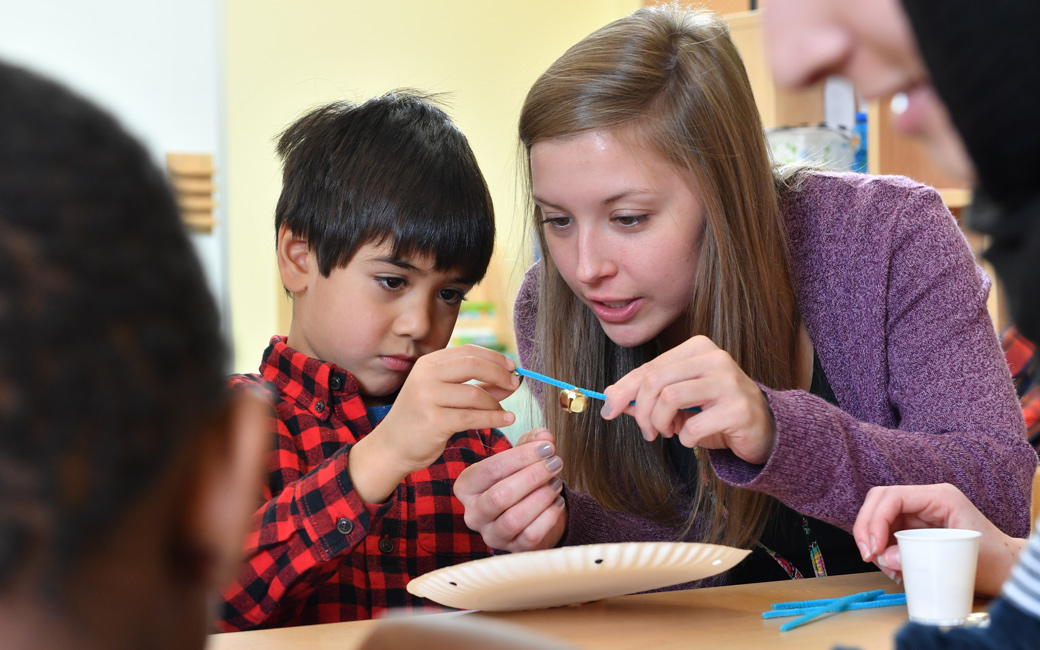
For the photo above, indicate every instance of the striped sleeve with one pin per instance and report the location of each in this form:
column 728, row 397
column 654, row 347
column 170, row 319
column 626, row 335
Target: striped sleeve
column 1023, row 586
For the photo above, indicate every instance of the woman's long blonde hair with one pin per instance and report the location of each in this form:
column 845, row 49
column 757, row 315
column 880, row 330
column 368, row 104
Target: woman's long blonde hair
column 674, row 78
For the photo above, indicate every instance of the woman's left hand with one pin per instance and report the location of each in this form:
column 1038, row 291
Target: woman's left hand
column 734, row 413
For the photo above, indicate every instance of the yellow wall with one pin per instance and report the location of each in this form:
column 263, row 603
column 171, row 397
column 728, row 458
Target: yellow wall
column 284, row 57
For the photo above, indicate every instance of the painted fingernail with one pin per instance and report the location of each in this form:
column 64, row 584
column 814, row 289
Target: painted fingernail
column 881, row 563
column 519, row 378
column 891, row 575
column 556, row 483
column 605, row 411
column 544, row 450
column 559, row 501
column 554, row 463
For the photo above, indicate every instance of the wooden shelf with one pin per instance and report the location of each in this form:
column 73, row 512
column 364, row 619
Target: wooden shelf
column 191, row 177
column 955, row 198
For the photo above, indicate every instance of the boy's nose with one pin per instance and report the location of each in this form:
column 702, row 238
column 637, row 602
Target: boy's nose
column 414, row 321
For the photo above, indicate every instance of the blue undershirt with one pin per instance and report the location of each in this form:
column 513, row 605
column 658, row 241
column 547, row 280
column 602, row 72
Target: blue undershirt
column 377, row 413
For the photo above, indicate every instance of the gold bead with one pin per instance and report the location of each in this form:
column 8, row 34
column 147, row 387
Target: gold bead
column 573, row 401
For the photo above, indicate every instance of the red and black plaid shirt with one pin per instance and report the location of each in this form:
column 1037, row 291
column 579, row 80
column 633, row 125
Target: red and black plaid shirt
column 1025, row 365
column 316, row 553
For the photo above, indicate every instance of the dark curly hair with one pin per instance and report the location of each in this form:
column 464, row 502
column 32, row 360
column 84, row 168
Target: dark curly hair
column 111, row 357
column 394, row 168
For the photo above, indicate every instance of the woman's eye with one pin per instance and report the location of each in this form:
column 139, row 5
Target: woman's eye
column 452, row 296
column 630, row 219
column 390, row 282
column 556, row 222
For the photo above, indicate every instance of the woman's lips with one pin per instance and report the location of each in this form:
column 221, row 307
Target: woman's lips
column 400, row 364
column 615, row 311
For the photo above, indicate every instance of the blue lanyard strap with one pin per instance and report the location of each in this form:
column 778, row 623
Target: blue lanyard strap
column 537, row 376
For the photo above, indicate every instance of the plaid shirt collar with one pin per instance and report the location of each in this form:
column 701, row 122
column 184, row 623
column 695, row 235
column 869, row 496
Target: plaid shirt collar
column 312, row 385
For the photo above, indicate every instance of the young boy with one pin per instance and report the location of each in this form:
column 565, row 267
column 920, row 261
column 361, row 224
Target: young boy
column 384, row 223
column 121, row 508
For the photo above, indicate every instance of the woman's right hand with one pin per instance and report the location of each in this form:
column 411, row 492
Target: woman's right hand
column 893, row 508
column 513, row 498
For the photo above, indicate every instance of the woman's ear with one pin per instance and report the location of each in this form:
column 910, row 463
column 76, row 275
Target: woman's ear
column 228, row 482
column 294, row 261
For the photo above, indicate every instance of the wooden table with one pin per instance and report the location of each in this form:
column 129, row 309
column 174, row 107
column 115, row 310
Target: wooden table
column 720, row 617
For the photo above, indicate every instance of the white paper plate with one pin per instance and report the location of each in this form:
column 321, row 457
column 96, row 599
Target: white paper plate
column 572, row 574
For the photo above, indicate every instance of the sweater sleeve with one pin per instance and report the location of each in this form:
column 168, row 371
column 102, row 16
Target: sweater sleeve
column 306, row 520
column 941, row 405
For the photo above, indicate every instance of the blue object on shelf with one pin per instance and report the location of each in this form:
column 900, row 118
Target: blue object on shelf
column 859, row 156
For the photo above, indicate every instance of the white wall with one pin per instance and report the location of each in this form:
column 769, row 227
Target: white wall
column 155, row 64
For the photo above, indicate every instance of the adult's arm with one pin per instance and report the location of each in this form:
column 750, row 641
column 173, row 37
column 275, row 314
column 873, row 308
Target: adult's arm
column 946, row 410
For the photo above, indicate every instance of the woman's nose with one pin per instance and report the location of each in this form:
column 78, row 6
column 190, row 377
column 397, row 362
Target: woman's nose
column 594, row 259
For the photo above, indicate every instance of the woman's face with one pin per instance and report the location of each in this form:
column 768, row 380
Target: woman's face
column 624, row 228
column 872, row 44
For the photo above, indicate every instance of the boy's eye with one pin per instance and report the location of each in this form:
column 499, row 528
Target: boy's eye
column 390, row 282
column 452, row 296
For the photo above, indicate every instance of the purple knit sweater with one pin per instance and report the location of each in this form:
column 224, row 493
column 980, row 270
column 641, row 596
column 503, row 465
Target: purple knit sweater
column 896, row 309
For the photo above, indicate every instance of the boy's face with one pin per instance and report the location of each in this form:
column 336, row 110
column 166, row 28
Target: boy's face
column 376, row 316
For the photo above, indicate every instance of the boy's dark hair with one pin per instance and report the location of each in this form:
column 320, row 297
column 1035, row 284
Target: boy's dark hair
column 394, row 168
column 111, row 357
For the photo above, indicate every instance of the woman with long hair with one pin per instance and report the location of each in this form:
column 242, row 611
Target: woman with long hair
column 774, row 342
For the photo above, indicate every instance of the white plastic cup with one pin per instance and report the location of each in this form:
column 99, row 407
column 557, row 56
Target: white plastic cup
column 939, row 573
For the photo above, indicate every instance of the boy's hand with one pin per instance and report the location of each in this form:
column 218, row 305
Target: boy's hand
column 513, row 498
column 434, row 403
column 893, row 508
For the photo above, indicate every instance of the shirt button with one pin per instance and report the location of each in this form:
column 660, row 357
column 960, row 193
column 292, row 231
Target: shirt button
column 344, row 526
column 386, row 545
column 335, row 383
column 319, row 406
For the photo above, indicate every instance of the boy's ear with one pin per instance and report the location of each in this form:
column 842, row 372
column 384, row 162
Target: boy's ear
column 227, row 488
column 294, row 260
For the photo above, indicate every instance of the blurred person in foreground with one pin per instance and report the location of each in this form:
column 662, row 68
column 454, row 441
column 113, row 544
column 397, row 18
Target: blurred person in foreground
column 972, row 101
column 126, row 467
